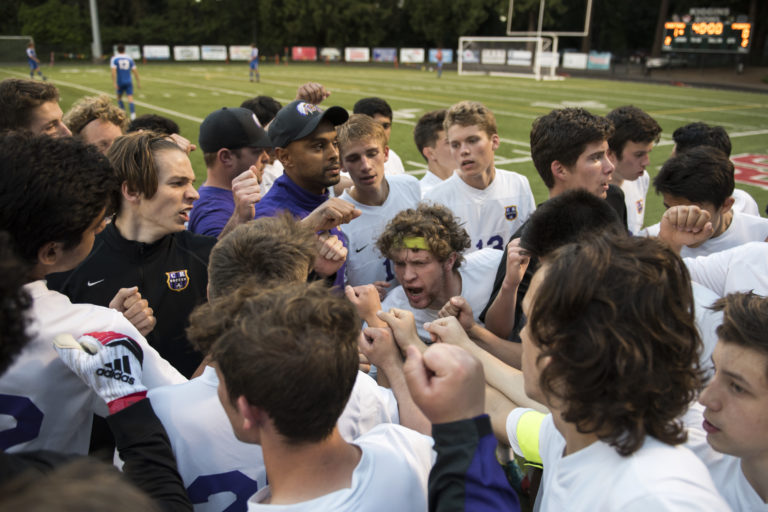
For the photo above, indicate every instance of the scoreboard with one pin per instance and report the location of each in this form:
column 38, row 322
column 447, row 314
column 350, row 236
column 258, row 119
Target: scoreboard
column 709, row 37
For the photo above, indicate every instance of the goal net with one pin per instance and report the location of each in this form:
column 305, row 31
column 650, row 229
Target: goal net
column 13, row 49
column 521, row 56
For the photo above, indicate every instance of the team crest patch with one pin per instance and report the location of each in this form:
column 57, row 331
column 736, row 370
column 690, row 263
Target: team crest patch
column 639, row 205
column 177, row 280
column 510, row 212
column 306, row 109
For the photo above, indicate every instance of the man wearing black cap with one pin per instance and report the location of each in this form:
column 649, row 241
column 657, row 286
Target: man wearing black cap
column 234, row 146
column 304, row 137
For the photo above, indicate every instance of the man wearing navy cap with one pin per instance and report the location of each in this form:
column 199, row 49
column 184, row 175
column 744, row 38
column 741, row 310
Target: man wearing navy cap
column 235, row 151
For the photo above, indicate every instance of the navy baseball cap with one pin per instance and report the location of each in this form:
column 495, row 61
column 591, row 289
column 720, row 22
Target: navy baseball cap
column 232, row 128
column 299, row 118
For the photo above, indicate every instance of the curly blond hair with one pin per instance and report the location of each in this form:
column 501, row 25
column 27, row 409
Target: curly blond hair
column 91, row 108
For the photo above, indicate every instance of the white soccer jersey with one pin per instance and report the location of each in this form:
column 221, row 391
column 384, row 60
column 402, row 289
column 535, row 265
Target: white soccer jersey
column 220, row 471
column 725, row 470
column 707, row 321
column 740, row 269
column 365, row 264
column 391, row 475
column 491, row 215
column 271, row 173
column 393, row 166
column 43, row 404
column 476, row 272
column 634, row 198
column 656, row 477
column 744, row 203
column 744, row 228
column 429, row 181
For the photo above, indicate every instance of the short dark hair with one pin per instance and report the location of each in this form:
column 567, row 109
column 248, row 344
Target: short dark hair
column 292, row 351
column 562, row 135
column 700, row 175
column 154, row 123
column 630, row 124
column 120, row 48
column 693, row 135
column 51, row 189
column 18, row 98
column 133, row 158
column 614, row 316
column 434, row 222
column 745, row 321
column 14, row 303
column 372, row 106
column 265, row 108
column 425, row 131
column 567, row 218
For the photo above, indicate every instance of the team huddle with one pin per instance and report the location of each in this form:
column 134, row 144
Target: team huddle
column 312, row 328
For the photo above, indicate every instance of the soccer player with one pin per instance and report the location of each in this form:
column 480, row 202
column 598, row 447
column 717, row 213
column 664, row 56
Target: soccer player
column 432, row 142
column 426, row 247
column 122, row 66
column 32, row 106
column 68, row 192
column 235, row 152
column 381, row 112
column 34, row 62
column 634, row 135
column 491, row 203
column 254, row 64
column 704, row 177
column 145, row 249
column 96, row 121
column 289, row 404
column 364, row 151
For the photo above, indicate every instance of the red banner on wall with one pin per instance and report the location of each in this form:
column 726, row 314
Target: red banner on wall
column 303, row 53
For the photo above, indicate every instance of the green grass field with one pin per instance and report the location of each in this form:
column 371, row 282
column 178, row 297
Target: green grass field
column 188, row 92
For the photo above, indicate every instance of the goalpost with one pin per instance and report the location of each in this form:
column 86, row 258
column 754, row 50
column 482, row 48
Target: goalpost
column 13, row 49
column 517, row 56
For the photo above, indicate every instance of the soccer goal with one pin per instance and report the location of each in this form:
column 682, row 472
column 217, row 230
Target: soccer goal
column 13, row 49
column 518, row 56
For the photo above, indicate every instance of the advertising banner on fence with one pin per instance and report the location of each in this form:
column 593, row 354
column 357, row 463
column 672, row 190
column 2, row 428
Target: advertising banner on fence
column 303, row 53
column 447, row 55
column 240, row 53
column 470, row 56
column 330, row 54
column 384, row 54
column 519, row 57
column 549, row 59
column 357, row 54
column 186, row 53
column 214, row 52
column 573, row 60
column 493, row 56
column 412, row 55
column 157, row 52
column 131, row 50
column 599, row 60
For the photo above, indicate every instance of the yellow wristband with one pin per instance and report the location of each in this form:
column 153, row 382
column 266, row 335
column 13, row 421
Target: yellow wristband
column 528, row 428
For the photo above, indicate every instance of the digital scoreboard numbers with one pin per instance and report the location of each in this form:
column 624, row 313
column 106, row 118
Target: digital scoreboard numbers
column 711, row 37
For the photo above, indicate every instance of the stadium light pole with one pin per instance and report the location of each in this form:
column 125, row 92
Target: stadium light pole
column 96, row 45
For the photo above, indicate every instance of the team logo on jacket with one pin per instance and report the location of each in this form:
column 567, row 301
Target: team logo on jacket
column 639, row 206
column 177, row 280
column 510, row 212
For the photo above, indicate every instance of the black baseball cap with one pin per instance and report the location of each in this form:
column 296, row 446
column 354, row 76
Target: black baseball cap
column 232, row 128
column 299, row 118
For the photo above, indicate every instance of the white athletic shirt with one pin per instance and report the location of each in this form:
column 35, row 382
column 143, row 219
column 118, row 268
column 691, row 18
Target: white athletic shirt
column 44, row 405
column 740, row 269
column 476, row 272
column 657, row 477
column 744, row 228
column 391, row 476
column 744, row 203
column 707, row 322
column 219, row 470
column 271, row 173
column 393, row 165
column 634, row 197
column 725, row 470
column 429, row 181
column 491, row 215
column 365, row 264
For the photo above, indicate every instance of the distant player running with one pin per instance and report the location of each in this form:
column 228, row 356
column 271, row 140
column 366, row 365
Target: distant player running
column 122, row 66
column 34, row 62
column 254, row 63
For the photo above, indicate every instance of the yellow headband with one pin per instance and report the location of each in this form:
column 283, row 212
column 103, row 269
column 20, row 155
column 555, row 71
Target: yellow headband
column 417, row 242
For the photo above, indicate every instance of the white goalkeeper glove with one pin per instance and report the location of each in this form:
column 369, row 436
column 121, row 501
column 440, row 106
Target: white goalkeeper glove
column 108, row 362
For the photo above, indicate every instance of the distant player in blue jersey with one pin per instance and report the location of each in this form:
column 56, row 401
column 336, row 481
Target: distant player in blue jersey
column 254, row 63
column 34, row 62
column 122, row 66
